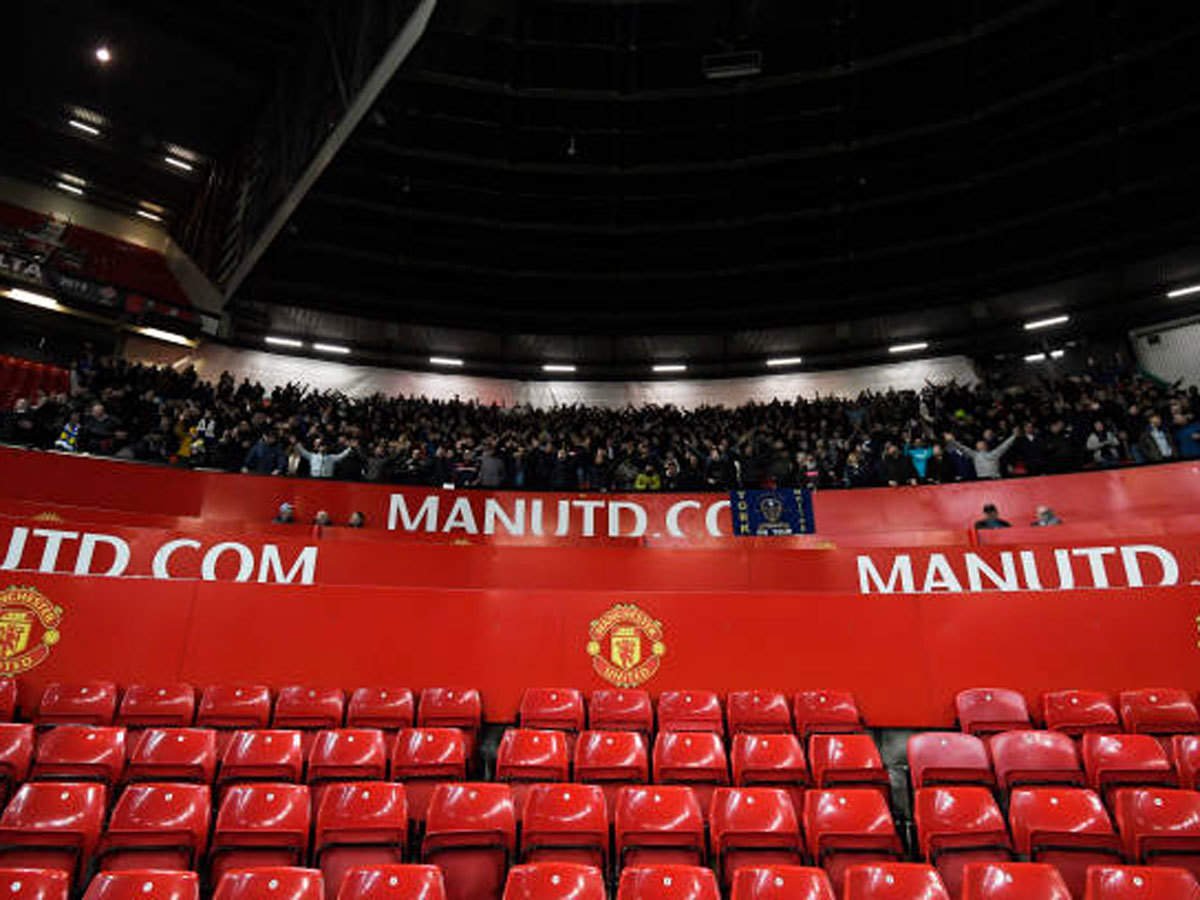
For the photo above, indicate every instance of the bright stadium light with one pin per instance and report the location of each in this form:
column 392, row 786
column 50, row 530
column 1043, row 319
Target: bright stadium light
column 785, row 361
column 1047, row 323
column 169, row 336
column 1035, row 357
column 1057, row 354
column 104, row 55
column 34, row 299
column 72, row 179
column 907, row 348
column 1184, row 291
column 146, row 214
column 84, row 127
column 181, row 164
column 670, row 367
column 557, row 367
column 69, row 188
column 283, row 342
column 444, row 361
column 331, row 348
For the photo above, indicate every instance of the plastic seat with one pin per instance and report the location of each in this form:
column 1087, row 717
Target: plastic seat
column 1140, row 883
column 458, row 708
column 308, row 710
column 50, row 825
column 554, row 881
column 1116, row 760
column 230, row 707
column 1013, row 881
column 1078, row 712
column 360, row 823
column 751, row 827
column 471, row 834
column 270, row 883
column 80, row 753
column 957, row 826
column 825, row 712
column 770, row 760
column 388, row 709
column 260, row 825
column 1160, row 826
column 526, row 756
column 347, row 754
column 8, row 699
column 267, row 755
column 694, row 758
column 1185, row 750
column 621, row 710
column 83, row 703
column 758, row 712
column 555, row 709
column 849, row 826
column 1065, row 826
column 690, row 711
column 565, row 823
column 16, row 756
column 423, row 758
column 393, row 882
column 174, row 754
column 948, row 757
column 157, row 826
column 144, row 885
column 667, row 882
column 35, row 884
column 846, row 759
column 1158, row 711
column 157, row 706
column 894, row 881
column 611, row 759
column 1035, row 757
column 989, row 710
column 781, row 883
column 660, row 824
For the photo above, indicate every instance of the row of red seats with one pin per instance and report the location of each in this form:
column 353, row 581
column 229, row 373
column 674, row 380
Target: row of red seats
column 23, row 378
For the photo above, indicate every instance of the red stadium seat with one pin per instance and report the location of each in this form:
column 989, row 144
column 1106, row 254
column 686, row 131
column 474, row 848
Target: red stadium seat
column 1159, row 711
column 526, row 756
column 753, row 827
column 458, row 708
column 690, row 711
column 1077, row 712
column 894, row 881
column 8, row 699
column 157, row 706
column 846, row 759
column 174, row 754
column 361, row 823
column 1035, row 757
column 308, row 710
column 267, row 755
column 781, row 883
column 80, row 753
column 948, row 757
column 270, row 883
column 758, row 712
column 230, row 707
column 959, row 825
column 1122, row 760
column 260, row 825
column 16, row 756
column 1065, row 826
column 554, row 881
column 1185, row 750
column 1160, row 826
column 694, row 758
column 144, row 885
column 347, row 754
column 85, row 703
column 555, row 709
column 1013, row 881
column 770, row 760
column 565, row 823
column 471, row 833
column 423, row 758
column 1140, row 883
column 849, row 826
column 825, row 712
column 988, row 710
column 621, row 710
column 157, row 826
column 35, row 884
column 393, row 882
column 51, row 825
column 655, row 825
column 667, row 883
column 611, row 759
column 388, row 709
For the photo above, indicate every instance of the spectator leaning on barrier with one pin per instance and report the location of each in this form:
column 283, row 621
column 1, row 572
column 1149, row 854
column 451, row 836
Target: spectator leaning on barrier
column 991, row 519
column 1045, row 516
column 286, row 515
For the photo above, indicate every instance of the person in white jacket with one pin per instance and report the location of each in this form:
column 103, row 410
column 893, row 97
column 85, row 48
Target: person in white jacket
column 320, row 463
column 987, row 462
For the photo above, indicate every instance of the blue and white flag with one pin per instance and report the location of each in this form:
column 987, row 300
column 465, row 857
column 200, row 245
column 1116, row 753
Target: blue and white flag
column 772, row 513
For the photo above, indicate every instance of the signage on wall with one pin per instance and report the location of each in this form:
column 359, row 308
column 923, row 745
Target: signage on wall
column 29, row 628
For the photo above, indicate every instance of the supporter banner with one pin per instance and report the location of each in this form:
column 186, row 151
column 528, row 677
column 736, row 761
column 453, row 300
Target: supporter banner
column 781, row 513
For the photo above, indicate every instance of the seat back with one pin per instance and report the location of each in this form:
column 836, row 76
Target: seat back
column 1185, row 748
column 271, row 883
column 848, row 819
column 347, row 754
column 157, row 705
column 35, row 884
column 359, row 823
column 77, row 703
column 450, row 708
column 80, row 753
column 758, row 712
column 957, row 817
column 1158, row 822
column 264, row 824
column 1140, row 883
column 667, row 882
column 618, row 756
column 565, row 823
column 390, row 882
column 781, row 883
column 989, row 710
column 948, row 757
column 1035, row 757
column 893, row 881
column 1065, row 826
column 825, row 711
column 1111, row 760
column 174, row 754
column 554, row 881
column 1158, row 711
column 660, row 823
column 621, row 709
column 1012, row 881
column 559, row 709
column 233, row 707
column 1075, row 712
column 470, row 832
column 774, row 759
column 837, row 759
column 262, row 755
column 385, row 708
column 144, row 885
column 309, row 708
column 52, row 825
column 16, row 755
column 422, row 758
column 526, row 755
column 690, row 711
column 751, row 826
column 157, row 826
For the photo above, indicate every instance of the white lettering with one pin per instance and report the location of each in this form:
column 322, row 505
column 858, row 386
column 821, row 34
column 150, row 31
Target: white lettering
column 901, row 574
column 564, row 518
column 270, row 567
column 614, row 518
column 16, row 548
column 398, row 510
column 589, row 508
column 1133, row 571
column 711, row 521
column 162, row 557
column 461, row 516
column 54, row 539
column 493, row 512
column 977, row 570
column 208, row 566
column 1095, row 557
column 673, row 513
column 87, row 549
column 535, row 516
column 939, row 575
column 1033, row 581
column 1066, row 573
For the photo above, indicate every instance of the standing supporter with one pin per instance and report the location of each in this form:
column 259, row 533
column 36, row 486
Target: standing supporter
column 919, row 453
column 265, row 457
column 1156, row 443
column 895, row 468
column 1103, row 445
column 940, row 468
column 1187, row 435
column 320, row 463
column 986, row 461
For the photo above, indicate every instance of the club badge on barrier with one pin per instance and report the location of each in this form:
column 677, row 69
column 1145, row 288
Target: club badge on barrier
column 29, row 628
column 626, row 645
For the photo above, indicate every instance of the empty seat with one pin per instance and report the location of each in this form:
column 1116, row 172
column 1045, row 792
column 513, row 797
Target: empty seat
column 846, row 759
column 231, row 707
column 1077, row 712
column 270, row 883
column 267, row 755
column 989, row 710
column 557, row 709
column 83, row 703
column 1065, row 826
column 781, row 883
column 554, row 881
column 360, row 823
column 770, row 760
column 174, row 754
column 35, row 884
column 51, row 825
column 1035, row 757
column 458, row 708
column 753, row 826
column 849, row 826
column 1158, row 711
column 611, row 759
column 959, row 825
column 526, row 756
column 662, row 824
column 308, row 710
column 1013, row 881
column 894, row 881
column 80, row 753
column 387, row 708
column 157, row 706
column 621, row 710
column 1185, row 750
column 423, row 758
column 471, row 834
column 1116, row 760
column 157, row 826
column 347, row 754
column 8, row 699
column 144, row 885
column 948, row 757
column 669, row 882
column 758, row 712
column 1160, row 826
column 393, row 882
column 825, row 712
column 260, row 825
column 16, row 756
column 694, row 758
column 690, row 711
column 565, row 823
column 1140, row 883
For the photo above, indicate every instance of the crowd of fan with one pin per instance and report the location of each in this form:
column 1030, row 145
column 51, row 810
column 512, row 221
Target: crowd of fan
column 943, row 433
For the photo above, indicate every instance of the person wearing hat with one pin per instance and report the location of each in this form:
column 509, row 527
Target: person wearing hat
column 991, row 518
column 287, row 515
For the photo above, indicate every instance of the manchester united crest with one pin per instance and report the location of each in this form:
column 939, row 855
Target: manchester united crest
column 626, row 645
column 29, row 625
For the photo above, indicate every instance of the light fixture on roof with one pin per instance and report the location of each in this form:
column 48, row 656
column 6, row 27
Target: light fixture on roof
column 1035, row 357
column 182, row 164
column 1184, row 291
column 69, row 188
column 1047, row 323
column 670, row 367
column 444, row 361
column 33, row 299
column 84, row 127
column 557, row 367
column 283, row 342
column 1057, row 354
column 72, row 179
column 169, row 336
column 908, row 348
column 146, row 214
column 785, row 361
column 104, row 54
column 331, row 348
column 719, row 66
